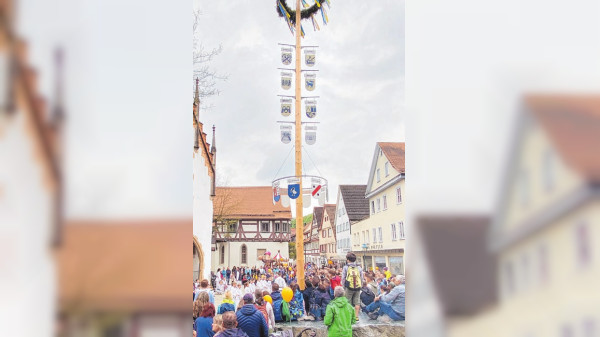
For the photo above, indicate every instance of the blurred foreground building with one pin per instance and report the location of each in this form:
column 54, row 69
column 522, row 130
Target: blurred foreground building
column 544, row 235
column 30, row 188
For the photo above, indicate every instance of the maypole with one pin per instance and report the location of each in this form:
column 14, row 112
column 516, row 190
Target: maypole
column 295, row 184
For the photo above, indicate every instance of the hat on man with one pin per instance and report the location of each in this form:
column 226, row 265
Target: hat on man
column 248, row 298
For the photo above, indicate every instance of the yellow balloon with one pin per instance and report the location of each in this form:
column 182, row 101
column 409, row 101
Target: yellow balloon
column 268, row 298
column 287, row 294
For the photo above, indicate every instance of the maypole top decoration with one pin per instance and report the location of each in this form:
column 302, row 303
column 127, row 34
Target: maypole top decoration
column 307, row 13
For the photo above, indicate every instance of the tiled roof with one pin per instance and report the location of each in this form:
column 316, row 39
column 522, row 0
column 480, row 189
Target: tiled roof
column 125, row 265
column 394, row 152
column 253, row 202
column 330, row 209
column 357, row 206
column 318, row 216
column 463, row 288
column 572, row 122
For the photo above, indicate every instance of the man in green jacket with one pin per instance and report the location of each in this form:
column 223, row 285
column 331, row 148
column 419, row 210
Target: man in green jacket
column 339, row 315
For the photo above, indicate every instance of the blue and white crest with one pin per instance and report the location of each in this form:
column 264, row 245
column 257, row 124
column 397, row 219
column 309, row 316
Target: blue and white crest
column 311, row 108
column 309, row 57
column 309, row 81
column 286, row 80
column 286, row 56
column 294, row 191
column 286, row 106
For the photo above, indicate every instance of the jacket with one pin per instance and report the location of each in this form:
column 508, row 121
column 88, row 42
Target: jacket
column 339, row 318
column 277, row 304
column 252, row 321
column 226, row 306
column 396, row 299
column 203, row 326
column 235, row 332
column 345, row 272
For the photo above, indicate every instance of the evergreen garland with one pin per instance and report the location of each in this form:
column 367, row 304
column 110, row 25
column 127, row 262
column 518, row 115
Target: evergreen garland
column 304, row 14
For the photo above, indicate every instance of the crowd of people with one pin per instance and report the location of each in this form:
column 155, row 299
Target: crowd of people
column 257, row 298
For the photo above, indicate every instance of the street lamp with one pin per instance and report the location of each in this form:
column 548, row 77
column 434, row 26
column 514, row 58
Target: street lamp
column 365, row 246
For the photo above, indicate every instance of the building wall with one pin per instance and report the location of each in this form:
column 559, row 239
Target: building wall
column 202, row 208
column 26, row 229
column 380, row 164
column 342, row 228
column 233, row 255
column 328, row 240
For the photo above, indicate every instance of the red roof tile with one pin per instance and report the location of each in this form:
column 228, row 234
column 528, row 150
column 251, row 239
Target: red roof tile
column 394, row 152
column 253, row 202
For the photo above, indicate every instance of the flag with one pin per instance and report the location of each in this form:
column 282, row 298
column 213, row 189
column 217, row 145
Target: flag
column 285, row 200
column 311, row 108
column 276, row 196
column 286, row 55
column 286, row 106
column 310, row 137
column 309, row 81
column 309, row 57
column 286, row 80
column 306, row 200
column 294, row 191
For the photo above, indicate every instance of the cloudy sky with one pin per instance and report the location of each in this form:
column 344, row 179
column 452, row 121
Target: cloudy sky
column 360, row 83
column 128, row 83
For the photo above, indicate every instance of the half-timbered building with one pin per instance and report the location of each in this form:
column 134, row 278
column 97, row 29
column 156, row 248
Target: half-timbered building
column 246, row 224
column 311, row 236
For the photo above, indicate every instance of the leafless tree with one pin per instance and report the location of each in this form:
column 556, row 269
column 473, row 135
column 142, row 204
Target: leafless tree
column 202, row 56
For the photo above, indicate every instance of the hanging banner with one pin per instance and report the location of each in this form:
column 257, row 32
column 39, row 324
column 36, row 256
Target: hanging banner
column 286, row 134
column 286, row 80
column 322, row 195
column 285, row 201
column 309, row 81
column 310, row 137
column 294, row 191
column 286, row 55
column 309, row 57
column 286, row 106
column 311, row 108
column 276, row 195
column 316, row 187
column 306, row 200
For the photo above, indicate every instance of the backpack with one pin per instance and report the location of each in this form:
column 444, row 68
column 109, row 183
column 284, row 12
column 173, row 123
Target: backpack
column 263, row 310
column 366, row 296
column 353, row 281
column 277, row 310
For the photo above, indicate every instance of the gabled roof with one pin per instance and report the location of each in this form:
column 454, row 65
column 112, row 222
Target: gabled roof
column 133, row 265
column 394, row 152
column 572, row 122
column 252, row 202
column 318, row 212
column 357, row 206
column 462, row 288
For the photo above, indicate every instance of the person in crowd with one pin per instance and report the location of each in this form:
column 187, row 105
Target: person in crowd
column 297, row 303
column 390, row 304
column 237, row 292
column 277, row 303
column 204, row 322
column 227, row 304
column 320, row 299
column 334, row 278
column 204, row 288
column 261, row 305
column 308, row 290
column 199, row 303
column 217, row 325
column 339, row 315
column 228, row 275
column 369, row 290
column 280, row 281
column 352, row 279
column 250, row 320
column 270, row 313
column 230, row 328
column 387, row 273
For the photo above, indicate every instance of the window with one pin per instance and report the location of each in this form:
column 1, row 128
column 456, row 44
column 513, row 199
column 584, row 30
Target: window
column 368, row 239
column 394, row 234
column 583, row 245
column 380, row 234
column 374, row 234
column 277, row 227
column 398, row 196
column 543, row 259
column 222, row 255
column 380, row 152
column 524, row 188
column 232, row 228
column 378, row 176
column 549, row 168
column 323, row 233
column 387, row 168
column 364, row 237
column 329, row 232
column 384, row 202
column 286, row 227
column 264, row 226
column 401, row 230
column 378, row 204
column 244, row 254
column 372, row 206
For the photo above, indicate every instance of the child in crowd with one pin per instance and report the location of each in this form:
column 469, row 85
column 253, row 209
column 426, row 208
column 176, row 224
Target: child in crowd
column 227, row 304
column 217, row 325
column 320, row 299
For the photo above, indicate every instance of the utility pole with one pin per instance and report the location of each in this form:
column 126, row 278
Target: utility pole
column 299, row 201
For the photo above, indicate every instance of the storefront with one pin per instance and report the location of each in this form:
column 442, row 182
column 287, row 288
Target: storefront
column 379, row 259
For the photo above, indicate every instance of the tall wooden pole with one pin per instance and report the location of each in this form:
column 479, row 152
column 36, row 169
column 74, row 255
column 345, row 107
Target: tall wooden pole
column 299, row 206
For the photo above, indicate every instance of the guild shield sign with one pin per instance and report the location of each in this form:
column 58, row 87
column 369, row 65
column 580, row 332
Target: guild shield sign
column 294, row 191
column 309, row 57
column 286, row 106
column 286, row 56
column 286, row 80
column 286, row 136
column 276, row 196
column 311, row 108
column 310, row 137
column 309, row 81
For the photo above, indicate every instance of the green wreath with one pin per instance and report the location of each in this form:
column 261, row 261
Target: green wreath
column 284, row 11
